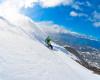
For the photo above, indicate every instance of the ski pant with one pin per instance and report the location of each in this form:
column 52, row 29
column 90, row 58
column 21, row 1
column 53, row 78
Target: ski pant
column 50, row 46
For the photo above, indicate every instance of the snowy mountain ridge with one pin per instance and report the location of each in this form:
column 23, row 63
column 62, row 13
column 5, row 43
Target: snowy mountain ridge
column 50, row 27
column 23, row 55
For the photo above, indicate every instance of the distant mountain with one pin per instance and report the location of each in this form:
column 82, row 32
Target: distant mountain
column 77, row 41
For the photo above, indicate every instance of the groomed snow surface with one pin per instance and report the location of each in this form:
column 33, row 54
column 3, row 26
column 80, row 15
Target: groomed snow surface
column 24, row 57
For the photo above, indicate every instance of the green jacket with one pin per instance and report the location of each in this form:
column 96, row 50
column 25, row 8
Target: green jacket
column 48, row 40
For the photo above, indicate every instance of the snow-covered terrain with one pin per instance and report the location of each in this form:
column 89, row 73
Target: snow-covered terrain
column 87, row 47
column 23, row 55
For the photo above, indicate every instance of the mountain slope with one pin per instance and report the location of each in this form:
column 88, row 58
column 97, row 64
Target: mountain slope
column 23, row 56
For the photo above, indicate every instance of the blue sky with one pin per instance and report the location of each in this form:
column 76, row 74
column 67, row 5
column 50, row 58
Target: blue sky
column 81, row 16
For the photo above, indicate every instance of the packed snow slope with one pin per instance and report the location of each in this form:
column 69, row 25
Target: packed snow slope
column 23, row 55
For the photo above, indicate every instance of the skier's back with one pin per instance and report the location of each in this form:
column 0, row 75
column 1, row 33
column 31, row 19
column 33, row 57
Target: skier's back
column 48, row 42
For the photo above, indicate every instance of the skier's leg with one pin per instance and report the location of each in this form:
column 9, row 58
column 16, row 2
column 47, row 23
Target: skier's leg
column 48, row 45
column 51, row 46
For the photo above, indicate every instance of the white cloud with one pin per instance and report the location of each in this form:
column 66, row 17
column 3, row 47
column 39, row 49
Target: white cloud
column 10, row 8
column 50, row 27
column 19, row 3
column 76, row 14
column 53, row 3
column 73, row 13
column 95, row 19
column 77, row 5
column 96, row 24
column 43, row 3
column 96, row 15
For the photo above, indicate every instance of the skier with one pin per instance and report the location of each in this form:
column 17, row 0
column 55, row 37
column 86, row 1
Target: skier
column 48, row 42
